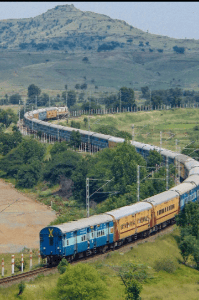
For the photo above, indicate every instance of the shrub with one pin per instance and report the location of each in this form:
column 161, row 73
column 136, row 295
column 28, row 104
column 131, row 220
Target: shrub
column 62, row 266
column 21, row 287
column 160, row 50
column 18, row 264
column 179, row 49
column 165, row 264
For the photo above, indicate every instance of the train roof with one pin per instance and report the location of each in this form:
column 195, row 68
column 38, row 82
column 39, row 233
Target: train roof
column 192, row 178
column 183, row 187
column 162, row 197
column 85, row 132
column 129, row 210
column 192, row 163
column 183, row 158
column 84, row 223
column 194, row 171
column 116, row 139
column 137, row 144
column 102, row 136
column 169, row 153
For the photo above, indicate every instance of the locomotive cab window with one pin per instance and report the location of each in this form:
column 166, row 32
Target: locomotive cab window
column 50, row 241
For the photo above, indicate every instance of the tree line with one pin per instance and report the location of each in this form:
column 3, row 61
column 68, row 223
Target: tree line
column 173, row 97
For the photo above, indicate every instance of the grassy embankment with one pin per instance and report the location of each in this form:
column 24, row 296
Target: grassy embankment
column 182, row 283
column 149, row 124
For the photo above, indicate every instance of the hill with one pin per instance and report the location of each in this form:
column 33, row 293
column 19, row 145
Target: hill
column 67, row 46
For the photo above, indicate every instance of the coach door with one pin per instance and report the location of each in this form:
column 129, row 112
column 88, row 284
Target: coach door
column 75, row 241
column 91, row 237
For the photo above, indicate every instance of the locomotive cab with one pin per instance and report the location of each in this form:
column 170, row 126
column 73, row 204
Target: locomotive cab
column 51, row 240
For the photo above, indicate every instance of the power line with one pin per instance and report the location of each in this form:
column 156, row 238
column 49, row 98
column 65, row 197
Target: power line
column 9, row 205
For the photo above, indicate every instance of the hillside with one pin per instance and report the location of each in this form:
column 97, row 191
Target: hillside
column 49, row 49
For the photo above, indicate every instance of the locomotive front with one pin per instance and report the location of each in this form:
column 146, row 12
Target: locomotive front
column 51, row 245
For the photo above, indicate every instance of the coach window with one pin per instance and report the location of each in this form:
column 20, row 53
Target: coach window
column 67, row 242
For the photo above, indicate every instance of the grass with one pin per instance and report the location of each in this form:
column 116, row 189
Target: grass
column 181, row 284
column 148, row 125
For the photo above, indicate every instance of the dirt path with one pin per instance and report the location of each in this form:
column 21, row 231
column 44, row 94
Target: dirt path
column 20, row 222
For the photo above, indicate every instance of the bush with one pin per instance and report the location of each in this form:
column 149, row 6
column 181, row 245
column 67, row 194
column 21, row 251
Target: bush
column 18, row 264
column 21, row 287
column 165, row 264
column 62, row 266
column 179, row 49
column 160, row 50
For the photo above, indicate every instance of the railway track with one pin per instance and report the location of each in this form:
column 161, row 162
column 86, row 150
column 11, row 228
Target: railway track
column 123, row 248
column 25, row 275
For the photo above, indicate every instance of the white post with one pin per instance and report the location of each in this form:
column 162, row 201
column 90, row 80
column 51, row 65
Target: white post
column 138, row 183
column 30, row 258
column 13, row 264
column 39, row 256
column 22, row 262
column 2, row 267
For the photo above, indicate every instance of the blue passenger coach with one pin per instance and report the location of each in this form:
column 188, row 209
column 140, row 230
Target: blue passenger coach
column 76, row 237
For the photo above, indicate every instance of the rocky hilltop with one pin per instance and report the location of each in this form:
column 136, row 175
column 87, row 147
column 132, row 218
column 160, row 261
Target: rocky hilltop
column 67, row 28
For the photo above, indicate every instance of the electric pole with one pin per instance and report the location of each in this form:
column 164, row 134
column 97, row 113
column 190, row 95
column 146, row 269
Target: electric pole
column 87, row 196
column 167, row 174
column 138, row 183
column 133, row 133
column 120, row 101
column 160, row 139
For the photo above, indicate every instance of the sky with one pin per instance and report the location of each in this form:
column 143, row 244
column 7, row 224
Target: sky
column 174, row 19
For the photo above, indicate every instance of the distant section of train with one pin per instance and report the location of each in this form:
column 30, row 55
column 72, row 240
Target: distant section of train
column 113, row 228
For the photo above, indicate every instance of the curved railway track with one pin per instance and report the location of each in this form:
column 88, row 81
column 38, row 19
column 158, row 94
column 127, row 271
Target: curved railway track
column 7, row 281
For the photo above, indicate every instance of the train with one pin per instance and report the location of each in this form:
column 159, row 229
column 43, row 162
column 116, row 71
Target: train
column 111, row 229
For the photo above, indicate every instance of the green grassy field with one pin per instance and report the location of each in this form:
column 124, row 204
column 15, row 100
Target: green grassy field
column 149, row 124
column 109, row 71
column 160, row 285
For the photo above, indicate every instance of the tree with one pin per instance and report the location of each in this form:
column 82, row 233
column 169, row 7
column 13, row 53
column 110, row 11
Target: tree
column 29, row 174
column 66, row 86
column 14, row 99
column 75, row 139
column 58, row 147
column 71, row 99
column 81, row 282
column 186, row 246
column 145, row 92
column 43, row 100
column 179, row 49
column 64, row 95
column 33, row 91
column 62, row 164
column 132, row 275
column 24, row 153
column 83, row 86
column 85, row 59
column 77, row 86
column 154, row 159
